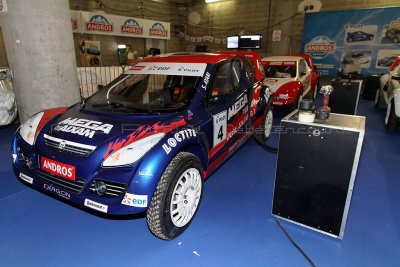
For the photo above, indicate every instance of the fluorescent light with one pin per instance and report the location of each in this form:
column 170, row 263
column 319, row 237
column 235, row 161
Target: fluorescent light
column 211, row 1
column 121, row 46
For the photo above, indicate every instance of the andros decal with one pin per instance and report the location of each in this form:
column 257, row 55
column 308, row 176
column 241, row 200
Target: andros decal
column 320, row 46
column 99, row 23
column 131, row 26
column 158, row 30
column 82, row 127
column 57, row 168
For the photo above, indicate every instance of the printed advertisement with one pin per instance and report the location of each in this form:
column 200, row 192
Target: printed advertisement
column 363, row 41
column 100, row 23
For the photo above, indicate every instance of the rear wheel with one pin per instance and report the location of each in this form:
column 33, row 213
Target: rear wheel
column 177, row 197
column 391, row 120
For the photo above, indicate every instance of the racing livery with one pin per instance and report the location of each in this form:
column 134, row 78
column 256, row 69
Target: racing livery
column 388, row 95
column 359, row 36
column 290, row 78
column 148, row 140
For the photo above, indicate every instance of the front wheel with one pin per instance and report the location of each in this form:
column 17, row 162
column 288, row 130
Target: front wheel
column 264, row 130
column 391, row 120
column 177, row 197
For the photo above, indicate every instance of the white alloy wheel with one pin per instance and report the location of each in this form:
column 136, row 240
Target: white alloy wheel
column 185, row 197
column 268, row 124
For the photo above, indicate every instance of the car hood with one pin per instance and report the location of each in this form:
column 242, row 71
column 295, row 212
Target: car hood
column 95, row 129
column 275, row 83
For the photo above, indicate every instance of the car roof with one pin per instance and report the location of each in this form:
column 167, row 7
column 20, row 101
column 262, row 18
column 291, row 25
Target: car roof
column 209, row 58
column 281, row 58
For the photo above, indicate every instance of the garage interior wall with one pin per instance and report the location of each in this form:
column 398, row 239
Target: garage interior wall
column 218, row 19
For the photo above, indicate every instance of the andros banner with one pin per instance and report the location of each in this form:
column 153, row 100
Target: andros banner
column 363, row 41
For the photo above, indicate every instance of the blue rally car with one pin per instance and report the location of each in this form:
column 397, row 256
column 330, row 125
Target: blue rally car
column 359, row 36
column 147, row 141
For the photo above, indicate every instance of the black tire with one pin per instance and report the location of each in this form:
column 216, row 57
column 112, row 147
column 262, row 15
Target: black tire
column 263, row 132
column 391, row 120
column 296, row 104
column 159, row 216
column 378, row 99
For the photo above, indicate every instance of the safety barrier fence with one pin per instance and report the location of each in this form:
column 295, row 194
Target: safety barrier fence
column 91, row 77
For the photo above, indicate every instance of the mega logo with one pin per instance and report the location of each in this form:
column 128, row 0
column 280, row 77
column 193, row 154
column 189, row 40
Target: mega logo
column 61, row 193
column 158, row 30
column 235, row 108
column 82, row 127
column 57, row 168
column 132, row 26
column 320, row 46
column 99, row 23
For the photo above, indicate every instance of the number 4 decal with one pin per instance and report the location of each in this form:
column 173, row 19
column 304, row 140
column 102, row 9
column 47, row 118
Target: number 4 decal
column 219, row 127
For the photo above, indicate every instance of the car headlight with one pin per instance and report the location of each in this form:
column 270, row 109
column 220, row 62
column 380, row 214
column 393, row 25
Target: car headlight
column 28, row 129
column 132, row 152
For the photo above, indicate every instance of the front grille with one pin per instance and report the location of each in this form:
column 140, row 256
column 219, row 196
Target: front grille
column 71, row 186
column 68, row 146
column 114, row 189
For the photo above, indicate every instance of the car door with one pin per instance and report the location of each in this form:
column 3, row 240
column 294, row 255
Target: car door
column 304, row 76
column 228, row 106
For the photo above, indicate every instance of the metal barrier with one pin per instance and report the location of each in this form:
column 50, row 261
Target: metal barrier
column 91, row 77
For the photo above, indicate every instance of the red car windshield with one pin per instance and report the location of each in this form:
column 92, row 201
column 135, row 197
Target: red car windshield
column 280, row 69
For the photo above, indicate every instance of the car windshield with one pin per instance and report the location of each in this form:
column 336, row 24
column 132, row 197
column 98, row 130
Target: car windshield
column 146, row 93
column 280, row 71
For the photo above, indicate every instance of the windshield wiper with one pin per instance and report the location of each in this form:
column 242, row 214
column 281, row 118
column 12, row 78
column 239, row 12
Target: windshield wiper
column 117, row 106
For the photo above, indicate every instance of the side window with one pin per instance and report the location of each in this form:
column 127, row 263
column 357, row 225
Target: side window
column 223, row 81
column 303, row 67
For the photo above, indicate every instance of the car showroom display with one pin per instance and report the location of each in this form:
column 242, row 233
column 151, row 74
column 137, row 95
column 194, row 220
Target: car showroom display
column 316, row 170
column 146, row 141
column 290, row 79
column 388, row 95
column 8, row 103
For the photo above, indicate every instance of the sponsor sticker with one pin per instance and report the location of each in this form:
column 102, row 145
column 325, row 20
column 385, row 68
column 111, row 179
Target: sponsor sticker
column 146, row 173
column 177, row 138
column 96, row 205
column 61, row 193
column 133, row 200
column 220, row 127
column 26, row 178
column 171, row 68
column 57, row 168
column 14, row 157
column 82, row 127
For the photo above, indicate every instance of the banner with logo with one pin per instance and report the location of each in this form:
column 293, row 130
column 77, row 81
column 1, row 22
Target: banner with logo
column 364, row 41
column 104, row 24
column 3, row 6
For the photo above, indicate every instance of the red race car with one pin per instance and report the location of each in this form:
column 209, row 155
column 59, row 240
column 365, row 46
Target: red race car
column 290, row 78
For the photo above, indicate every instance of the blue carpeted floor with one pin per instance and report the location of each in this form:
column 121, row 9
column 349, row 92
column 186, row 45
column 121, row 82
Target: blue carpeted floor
column 233, row 227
